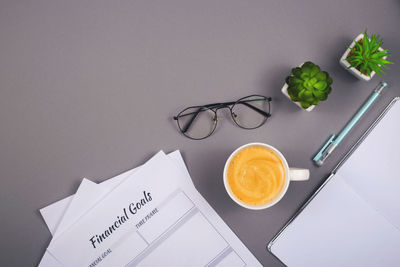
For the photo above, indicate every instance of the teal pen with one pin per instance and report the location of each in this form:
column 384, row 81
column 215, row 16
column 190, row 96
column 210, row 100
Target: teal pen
column 332, row 143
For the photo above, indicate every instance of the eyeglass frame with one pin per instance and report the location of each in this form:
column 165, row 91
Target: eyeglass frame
column 217, row 106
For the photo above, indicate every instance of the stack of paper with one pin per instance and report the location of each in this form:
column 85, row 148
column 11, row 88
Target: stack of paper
column 148, row 216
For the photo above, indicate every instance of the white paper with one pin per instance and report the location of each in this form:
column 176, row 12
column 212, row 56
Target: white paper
column 87, row 194
column 63, row 213
column 53, row 214
column 338, row 228
column 184, row 220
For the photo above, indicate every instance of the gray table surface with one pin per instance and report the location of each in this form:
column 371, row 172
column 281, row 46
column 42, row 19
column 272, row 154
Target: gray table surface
column 89, row 88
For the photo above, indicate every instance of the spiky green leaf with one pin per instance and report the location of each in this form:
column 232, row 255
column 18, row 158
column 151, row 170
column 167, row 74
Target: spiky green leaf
column 367, row 56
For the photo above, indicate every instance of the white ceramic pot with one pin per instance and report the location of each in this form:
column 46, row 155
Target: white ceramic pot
column 355, row 71
column 285, row 92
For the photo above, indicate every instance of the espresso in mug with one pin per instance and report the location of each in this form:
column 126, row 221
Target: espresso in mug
column 256, row 175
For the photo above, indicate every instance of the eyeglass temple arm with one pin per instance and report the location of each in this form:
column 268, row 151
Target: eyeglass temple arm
column 190, row 122
column 216, row 105
column 242, row 102
column 262, row 112
column 194, row 115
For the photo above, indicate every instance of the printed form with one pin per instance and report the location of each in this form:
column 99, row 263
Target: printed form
column 155, row 217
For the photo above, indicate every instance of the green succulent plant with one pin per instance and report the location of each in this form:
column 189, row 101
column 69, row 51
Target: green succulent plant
column 366, row 56
column 308, row 85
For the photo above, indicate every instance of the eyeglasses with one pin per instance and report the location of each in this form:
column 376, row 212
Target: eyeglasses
column 199, row 122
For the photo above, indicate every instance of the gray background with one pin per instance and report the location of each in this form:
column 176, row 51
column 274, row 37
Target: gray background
column 89, row 88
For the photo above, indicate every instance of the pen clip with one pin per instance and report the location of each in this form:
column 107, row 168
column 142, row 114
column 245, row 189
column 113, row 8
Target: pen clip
column 321, row 152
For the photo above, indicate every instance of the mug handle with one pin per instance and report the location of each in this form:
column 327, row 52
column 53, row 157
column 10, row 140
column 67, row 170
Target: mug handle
column 298, row 174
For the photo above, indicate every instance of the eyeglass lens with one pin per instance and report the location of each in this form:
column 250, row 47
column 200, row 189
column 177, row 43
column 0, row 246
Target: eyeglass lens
column 197, row 122
column 246, row 116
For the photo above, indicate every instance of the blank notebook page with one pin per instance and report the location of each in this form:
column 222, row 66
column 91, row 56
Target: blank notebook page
column 373, row 170
column 354, row 220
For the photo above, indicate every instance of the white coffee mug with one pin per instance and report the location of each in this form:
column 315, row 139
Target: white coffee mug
column 291, row 174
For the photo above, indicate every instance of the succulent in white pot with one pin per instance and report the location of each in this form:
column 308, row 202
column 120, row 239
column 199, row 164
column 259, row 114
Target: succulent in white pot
column 365, row 57
column 307, row 86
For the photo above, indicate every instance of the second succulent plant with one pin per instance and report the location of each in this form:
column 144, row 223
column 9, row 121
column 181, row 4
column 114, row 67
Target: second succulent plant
column 367, row 56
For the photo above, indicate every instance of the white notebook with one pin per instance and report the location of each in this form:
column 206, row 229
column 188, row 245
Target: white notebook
column 355, row 219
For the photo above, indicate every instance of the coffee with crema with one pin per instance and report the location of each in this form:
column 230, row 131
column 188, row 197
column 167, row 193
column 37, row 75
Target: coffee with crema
column 256, row 175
